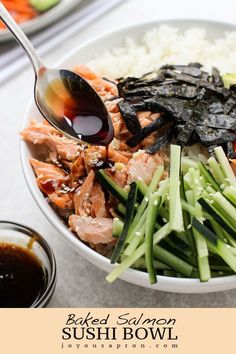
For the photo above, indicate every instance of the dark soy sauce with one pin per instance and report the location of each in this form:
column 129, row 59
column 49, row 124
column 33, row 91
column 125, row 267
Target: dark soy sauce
column 75, row 108
column 22, row 277
column 105, row 163
column 80, row 111
column 85, row 111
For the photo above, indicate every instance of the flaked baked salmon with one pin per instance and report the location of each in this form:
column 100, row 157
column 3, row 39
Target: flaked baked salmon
column 67, row 175
column 143, row 165
column 54, row 183
column 82, row 196
column 98, row 201
column 92, row 230
column 43, row 133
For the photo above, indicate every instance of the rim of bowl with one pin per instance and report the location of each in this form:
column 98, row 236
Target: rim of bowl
column 48, row 17
column 170, row 284
column 29, row 231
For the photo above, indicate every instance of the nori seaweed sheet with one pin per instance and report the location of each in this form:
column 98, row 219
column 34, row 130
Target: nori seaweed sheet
column 197, row 102
column 178, row 109
column 130, row 117
column 160, row 143
column 216, row 78
column 146, row 131
column 185, row 133
column 165, row 90
column 209, row 136
column 219, row 121
column 229, row 104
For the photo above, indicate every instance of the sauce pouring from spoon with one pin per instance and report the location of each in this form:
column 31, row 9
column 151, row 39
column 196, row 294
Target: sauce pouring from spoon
column 65, row 99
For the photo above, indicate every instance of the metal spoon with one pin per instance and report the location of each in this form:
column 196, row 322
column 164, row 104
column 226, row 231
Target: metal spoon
column 64, row 98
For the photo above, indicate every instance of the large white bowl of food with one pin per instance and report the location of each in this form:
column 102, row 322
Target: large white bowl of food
column 161, row 213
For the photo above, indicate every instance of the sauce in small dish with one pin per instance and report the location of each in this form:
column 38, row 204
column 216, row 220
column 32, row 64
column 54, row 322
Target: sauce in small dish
column 23, row 278
column 27, row 267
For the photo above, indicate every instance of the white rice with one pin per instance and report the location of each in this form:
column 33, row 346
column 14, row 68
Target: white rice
column 166, row 45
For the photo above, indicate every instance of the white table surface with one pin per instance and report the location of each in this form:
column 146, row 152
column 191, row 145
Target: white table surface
column 80, row 284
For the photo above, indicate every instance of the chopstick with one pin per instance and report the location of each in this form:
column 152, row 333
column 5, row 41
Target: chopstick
column 54, row 36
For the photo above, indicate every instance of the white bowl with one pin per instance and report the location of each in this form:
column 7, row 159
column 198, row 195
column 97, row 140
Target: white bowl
column 83, row 54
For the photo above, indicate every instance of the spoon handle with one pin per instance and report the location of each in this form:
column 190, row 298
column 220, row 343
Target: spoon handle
column 21, row 38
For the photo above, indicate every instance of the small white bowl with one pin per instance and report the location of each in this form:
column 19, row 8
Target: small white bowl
column 83, row 54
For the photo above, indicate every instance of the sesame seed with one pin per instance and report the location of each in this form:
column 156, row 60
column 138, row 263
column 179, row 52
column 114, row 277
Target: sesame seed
column 94, row 161
column 61, row 191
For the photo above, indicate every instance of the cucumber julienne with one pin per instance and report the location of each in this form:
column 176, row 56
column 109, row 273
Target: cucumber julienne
column 194, row 207
column 217, row 217
column 152, row 210
column 175, row 210
column 132, row 196
column 108, row 183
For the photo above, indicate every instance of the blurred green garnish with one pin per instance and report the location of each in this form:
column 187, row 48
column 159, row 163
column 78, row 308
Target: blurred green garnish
column 43, row 5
